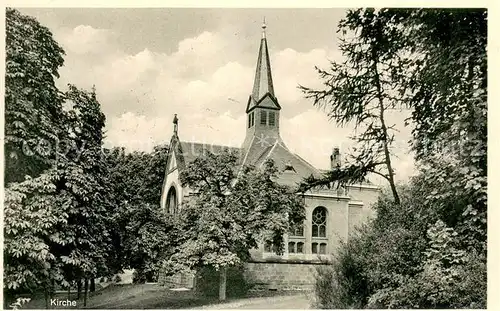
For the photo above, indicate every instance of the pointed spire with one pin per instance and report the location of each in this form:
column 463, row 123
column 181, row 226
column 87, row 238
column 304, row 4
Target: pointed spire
column 263, row 82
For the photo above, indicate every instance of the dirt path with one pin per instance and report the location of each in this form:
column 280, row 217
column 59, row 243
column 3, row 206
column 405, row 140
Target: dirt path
column 300, row 301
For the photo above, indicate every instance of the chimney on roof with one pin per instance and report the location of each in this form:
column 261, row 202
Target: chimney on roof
column 335, row 158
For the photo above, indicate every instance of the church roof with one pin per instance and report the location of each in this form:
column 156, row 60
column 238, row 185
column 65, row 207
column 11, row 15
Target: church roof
column 263, row 82
column 191, row 150
column 291, row 166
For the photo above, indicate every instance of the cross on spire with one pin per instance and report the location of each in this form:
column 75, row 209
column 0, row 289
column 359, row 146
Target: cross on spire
column 176, row 124
column 264, row 26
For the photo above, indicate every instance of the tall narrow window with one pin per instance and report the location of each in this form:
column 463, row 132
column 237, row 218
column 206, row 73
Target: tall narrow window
column 319, row 222
column 172, row 201
column 300, row 247
column 322, row 248
column 249, row 120
column 315, row 248
column 263, row 117
column 291, row 247
column 252, row 117
column 318, row 228
column 272, row 117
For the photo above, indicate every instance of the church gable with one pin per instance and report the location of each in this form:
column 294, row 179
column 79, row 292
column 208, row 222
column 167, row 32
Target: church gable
column 172, row 162
column 268, row 101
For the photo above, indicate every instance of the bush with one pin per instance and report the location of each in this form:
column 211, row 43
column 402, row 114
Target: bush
column 117, row 279
column 405, row 258
column 207, row 282
column 343, row 285
column 138, row 277
column 450, row 278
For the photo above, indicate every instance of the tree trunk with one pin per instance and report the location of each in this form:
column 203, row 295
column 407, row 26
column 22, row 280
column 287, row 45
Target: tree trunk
column 69, row 292
column 222, row 284
column 79, row 288
column 85, row 292
column 46, row 295
column 385, row 137
column 92, row 285
column 53, row 289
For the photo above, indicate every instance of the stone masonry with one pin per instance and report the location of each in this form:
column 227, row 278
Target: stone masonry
column 281, row 276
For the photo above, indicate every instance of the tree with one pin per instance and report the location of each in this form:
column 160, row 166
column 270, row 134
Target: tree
column 404, row 258
column 141, row 232
column 33, row 212
column 429, row 251
column 147, row 240
column 83, row 175
column 360, row 90
column 230, row 214
column 448, row 93
column 57, row 223
column 33, row 105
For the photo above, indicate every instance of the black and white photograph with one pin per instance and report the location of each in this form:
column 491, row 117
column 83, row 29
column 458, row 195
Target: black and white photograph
column 245, row 158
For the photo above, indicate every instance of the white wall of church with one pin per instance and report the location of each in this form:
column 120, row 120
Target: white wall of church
column 172, row 180
column 337, row 221
column 367, row 194
column 360, row 206
column 343, row 215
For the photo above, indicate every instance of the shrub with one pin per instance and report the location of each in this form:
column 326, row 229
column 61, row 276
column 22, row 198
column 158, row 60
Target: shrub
column 449, row 278
column 397, row 261
column 138, row 277
column 343, row 284
column 207, row 282
column 117, row 279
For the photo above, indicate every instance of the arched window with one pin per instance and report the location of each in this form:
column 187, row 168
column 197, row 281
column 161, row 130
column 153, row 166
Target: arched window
column 318, row 226
column 172, row 200
column 319, row 222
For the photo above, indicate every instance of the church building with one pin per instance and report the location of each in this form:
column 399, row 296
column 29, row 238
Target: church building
column 331, row 214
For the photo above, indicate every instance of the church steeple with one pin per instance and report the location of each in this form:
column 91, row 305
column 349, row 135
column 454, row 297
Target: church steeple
column 263, row 82
column 263, row 109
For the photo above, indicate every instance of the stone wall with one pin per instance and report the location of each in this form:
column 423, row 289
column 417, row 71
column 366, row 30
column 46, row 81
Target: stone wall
column 280, row 276
column 180, row 280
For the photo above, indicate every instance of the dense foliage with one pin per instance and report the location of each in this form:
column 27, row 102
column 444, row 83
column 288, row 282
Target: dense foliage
column 405, row 258
column 230, row 214
column 359, row 91
column 141, row 231
column 427, row 250
column 73, row 211
column 33, row 105
column 56, row 225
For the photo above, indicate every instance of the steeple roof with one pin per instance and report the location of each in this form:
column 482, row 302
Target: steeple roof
column 263, row 83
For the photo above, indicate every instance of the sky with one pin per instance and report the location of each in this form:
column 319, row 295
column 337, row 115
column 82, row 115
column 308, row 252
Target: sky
column 149, row 64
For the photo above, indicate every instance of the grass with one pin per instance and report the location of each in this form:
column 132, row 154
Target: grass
column 131, row 296
column 146, row 296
